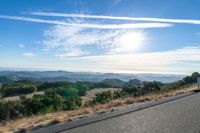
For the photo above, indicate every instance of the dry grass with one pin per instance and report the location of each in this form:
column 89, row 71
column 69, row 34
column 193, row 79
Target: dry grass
column 42, row 120
column 53, row 118
column 91, row 93
column 13, row 98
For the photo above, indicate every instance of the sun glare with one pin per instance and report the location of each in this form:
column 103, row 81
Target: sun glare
column 131, row 41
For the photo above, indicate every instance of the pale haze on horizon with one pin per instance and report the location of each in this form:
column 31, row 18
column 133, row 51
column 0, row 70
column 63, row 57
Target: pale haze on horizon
column 120, row 36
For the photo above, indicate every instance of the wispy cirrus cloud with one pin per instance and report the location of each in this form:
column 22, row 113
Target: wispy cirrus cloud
column 21, row 46
column 149, row 19
column 29, row 54
column 69, row 41
column 90, row 25
column 188, row 53
column 182, row 59
column 100, row 46
column 71, row 38
column 75, row 41
column 71, row 53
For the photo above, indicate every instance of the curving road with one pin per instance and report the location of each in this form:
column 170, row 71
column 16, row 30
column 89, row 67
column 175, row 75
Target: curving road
column 179, row 116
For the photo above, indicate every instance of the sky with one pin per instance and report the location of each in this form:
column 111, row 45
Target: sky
column 121, row 36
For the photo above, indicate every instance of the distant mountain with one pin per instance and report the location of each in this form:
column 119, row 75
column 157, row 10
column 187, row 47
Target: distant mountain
column 133, row 82
column 8, row 79
column 113, row 82
column 52, row 76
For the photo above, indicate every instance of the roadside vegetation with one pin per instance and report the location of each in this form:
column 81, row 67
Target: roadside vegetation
column 67, row 96
column 21, row 87
column 58, row 96
column 145, row 88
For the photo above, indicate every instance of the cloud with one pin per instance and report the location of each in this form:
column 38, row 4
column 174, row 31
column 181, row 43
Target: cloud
column 67, row 38
column 189, row 53
column 70, row 41
column 78, row 48
column 21, row 46
column 106, row 47
column 166, row 20
column 71, row 53
column 29, row 54
column 90, row 25
column 181, row 60
column 75, row 41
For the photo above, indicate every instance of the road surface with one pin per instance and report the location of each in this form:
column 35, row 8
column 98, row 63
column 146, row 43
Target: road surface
column 179, row 116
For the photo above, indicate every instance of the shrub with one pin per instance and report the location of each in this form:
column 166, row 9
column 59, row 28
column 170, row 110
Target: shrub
column 17, row 89
column 119, row 94
column 65, row 92
column 103, row 97
column 48, row 85
column 11, row 110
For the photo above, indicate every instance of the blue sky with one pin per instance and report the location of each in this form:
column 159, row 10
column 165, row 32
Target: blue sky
column 123, row 36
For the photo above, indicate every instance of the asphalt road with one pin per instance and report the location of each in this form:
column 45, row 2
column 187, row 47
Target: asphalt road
column 179, row 116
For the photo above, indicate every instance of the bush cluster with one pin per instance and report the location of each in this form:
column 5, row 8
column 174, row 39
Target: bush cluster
column 13, row 89
column 38, row 104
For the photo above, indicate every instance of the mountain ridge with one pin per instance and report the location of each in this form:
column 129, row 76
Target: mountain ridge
column 52, row 76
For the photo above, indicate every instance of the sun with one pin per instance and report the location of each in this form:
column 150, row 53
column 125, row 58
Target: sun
column 130, row 41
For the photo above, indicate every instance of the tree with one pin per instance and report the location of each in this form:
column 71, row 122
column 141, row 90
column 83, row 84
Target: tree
column 119, row 94
column 13, row 89
column 47, row 85
column 103, row 97
column 191, row 79
column 65, row 92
